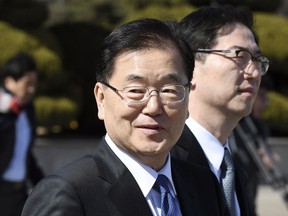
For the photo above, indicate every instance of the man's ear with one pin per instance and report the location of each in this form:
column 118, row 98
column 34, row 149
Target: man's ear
column 100, row 100
column 9, row 83
column 197, row 70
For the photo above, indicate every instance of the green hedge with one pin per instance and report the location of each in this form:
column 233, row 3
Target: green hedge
column 49, row 111
column 161, row 12
column 55, row 111
column 273, row 34
column 13, row 41
column 276, row 114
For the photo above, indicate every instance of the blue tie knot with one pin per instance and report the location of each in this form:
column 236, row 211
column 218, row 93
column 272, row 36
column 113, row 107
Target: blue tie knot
column 161, row 184
column 169, row 204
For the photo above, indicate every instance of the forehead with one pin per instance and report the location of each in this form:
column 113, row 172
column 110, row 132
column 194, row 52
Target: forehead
column 29, row 77
column 236, row 36
column 149, row 65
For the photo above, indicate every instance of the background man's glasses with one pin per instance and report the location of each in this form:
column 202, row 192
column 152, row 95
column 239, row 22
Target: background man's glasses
column 243, row 58
column 134, row 95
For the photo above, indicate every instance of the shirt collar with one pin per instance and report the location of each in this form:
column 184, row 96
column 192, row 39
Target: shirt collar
column 144, row 175
column 211, row 146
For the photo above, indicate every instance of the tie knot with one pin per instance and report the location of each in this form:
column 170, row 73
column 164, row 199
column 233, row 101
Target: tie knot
column 161, row 183
column 169, row 204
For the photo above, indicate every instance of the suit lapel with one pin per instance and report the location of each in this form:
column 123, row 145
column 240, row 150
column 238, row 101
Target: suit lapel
column 241, row 191
column 134, row 202
column 184, row 190
column 194, row 151
column 122, row 183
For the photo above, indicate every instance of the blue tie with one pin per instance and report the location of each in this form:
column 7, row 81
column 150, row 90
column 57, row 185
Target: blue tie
column 169, row 204
column 228, row 181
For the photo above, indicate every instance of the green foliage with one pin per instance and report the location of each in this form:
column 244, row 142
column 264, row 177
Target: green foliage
column 52, row 80
column 13, row 41
column 160, row 12
column 105, row 13
column 55, row 111
column 138, row 4
column 110, row 13
column 276, row 115
column 273, row 34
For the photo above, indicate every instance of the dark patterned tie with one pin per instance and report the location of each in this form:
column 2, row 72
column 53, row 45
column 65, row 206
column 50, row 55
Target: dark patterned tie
column 169, row 204
column 228, row 181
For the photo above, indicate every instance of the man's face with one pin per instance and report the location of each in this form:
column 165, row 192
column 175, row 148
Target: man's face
column 24, row 88
column 148, row 130
column 220, row 85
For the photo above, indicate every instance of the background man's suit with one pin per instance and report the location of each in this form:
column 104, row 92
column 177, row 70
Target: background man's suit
column 14, row 193
column 189, row 149
column 7, row 140
column 95, row 185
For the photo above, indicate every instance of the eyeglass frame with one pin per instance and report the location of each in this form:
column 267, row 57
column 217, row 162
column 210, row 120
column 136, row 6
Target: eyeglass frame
column 237, row 51
column 146, row 98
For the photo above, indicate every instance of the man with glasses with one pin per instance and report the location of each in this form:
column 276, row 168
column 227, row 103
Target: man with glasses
column 226, row 78
column 143, row 81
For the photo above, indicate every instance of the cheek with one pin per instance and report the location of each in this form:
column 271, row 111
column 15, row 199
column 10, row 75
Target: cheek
column 20, row 90
column 119, row 115
column 178, row 118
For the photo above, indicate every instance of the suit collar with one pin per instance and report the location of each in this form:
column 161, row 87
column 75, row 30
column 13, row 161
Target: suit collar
column 185, row 193
column 190, row 144
column 134, row 202
column 195, row 154
column 121, row 182
column 241, row 190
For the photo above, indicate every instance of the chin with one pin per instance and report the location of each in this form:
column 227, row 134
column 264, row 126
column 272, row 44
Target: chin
column 246, row 112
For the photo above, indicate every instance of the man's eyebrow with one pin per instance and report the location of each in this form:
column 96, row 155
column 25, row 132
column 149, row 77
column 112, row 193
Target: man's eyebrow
column 256, row 51
column 173, row 76
column 170, row 76
column 133, row 77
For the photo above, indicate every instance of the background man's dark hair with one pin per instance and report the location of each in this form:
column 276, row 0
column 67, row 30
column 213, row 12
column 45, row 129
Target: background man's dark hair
column 201, row 27
column 18, row 66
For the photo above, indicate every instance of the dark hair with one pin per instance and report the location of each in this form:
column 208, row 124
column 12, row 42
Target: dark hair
column 201, row 27
column 143, row 34
column 18, row 66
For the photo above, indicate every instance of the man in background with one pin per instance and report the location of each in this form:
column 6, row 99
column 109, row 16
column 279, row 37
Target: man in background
column 17, row 163
column 226, row 78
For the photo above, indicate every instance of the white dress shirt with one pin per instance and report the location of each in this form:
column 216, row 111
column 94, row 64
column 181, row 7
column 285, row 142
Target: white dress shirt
column 145, row 176
column 213, row 150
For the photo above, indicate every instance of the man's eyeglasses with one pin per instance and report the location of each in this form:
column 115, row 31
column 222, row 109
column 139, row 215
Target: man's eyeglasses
column 243, row 58
column 169, row 94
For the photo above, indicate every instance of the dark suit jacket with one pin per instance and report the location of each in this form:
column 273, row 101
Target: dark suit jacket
column 100, row 184
column 7, row 144
column 189, row 149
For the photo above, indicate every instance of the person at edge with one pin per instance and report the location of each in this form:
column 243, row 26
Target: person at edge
column 226, row 79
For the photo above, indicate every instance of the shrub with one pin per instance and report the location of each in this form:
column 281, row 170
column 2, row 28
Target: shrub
column 13, row 41
column 276, row 115
column 55, row 111
column 273, row 34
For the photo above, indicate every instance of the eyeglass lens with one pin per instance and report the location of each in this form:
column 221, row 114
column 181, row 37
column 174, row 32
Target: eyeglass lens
column 168, row 94
column 261, row 62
